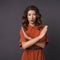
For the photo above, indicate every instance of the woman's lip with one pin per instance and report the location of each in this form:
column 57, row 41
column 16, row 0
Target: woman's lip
column 31, row 20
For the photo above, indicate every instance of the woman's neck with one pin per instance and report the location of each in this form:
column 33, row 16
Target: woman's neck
column 32, row 24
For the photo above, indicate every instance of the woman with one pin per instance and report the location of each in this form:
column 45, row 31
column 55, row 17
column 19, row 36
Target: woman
column 33, row 35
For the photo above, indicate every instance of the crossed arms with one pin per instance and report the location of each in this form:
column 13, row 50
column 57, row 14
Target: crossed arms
column 35, row 40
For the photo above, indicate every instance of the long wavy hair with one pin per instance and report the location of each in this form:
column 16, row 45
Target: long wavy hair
column 38, row 21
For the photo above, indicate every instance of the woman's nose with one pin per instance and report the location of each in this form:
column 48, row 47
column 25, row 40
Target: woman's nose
column 31, row 16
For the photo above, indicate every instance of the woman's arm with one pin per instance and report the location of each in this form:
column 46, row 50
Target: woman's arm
column 30, row 42
column 34, row 40
column 42, row 44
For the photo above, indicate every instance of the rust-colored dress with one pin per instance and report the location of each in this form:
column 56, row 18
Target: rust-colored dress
column 32, row 54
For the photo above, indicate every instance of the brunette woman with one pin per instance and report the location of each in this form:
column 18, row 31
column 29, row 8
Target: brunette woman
column 33, row 35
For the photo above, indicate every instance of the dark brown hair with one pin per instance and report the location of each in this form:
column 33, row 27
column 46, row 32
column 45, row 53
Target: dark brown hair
column 38, row 21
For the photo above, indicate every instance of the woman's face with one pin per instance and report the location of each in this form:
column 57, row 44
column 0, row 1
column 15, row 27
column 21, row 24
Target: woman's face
column 31, row 16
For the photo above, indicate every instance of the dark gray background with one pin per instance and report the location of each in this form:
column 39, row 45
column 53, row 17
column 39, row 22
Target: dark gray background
column 11, row 12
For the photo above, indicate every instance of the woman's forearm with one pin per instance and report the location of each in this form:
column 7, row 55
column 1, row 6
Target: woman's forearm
column 39, row 44
column 30, row 42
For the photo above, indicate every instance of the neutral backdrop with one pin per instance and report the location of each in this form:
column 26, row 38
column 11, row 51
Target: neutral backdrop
column 11, row 12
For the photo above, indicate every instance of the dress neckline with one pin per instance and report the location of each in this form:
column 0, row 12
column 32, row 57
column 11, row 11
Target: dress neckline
column 31, row 26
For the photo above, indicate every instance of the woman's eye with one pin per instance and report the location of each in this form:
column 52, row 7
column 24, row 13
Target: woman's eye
column 29, row 14
column 33, row 14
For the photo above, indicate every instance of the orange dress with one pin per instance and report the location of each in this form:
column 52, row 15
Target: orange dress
column 32, row 54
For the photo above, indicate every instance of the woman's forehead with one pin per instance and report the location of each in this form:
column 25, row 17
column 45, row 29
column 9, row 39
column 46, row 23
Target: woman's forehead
column 31, row 11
